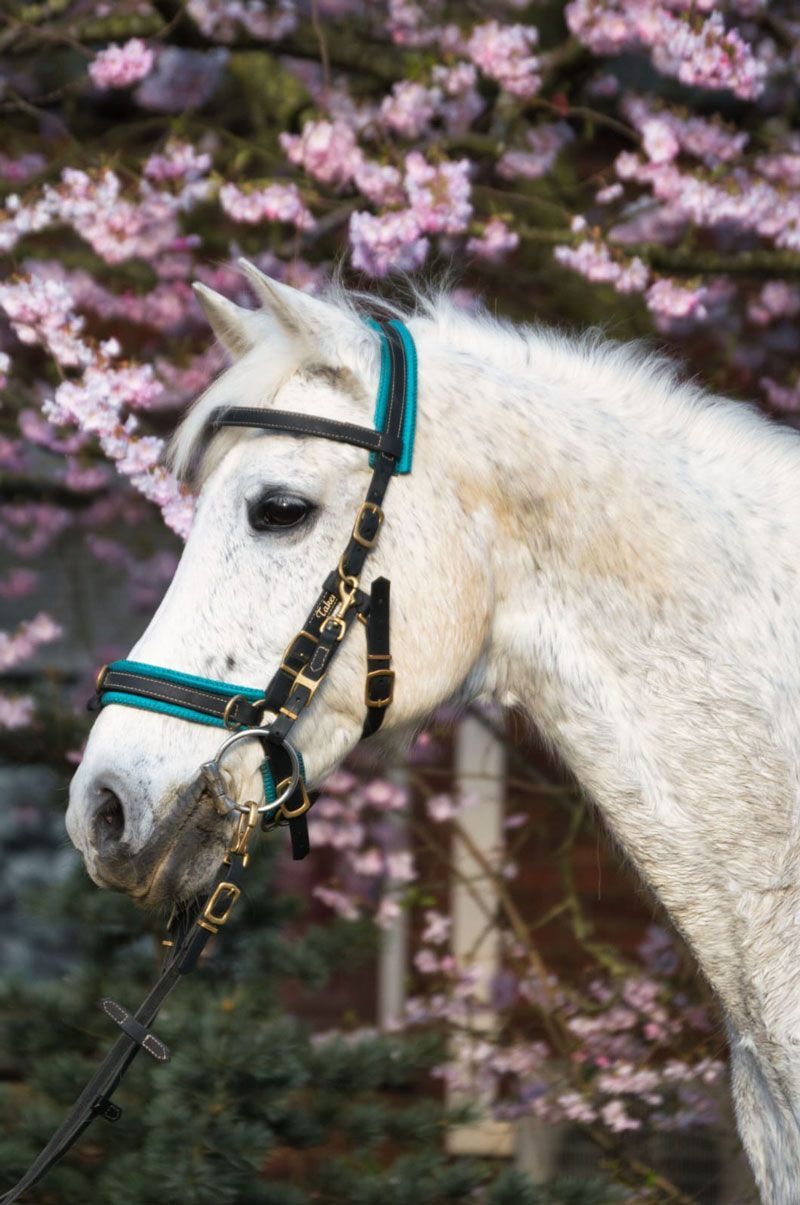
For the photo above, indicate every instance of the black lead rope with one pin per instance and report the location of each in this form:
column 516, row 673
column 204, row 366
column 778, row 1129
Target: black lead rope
column 340, row 604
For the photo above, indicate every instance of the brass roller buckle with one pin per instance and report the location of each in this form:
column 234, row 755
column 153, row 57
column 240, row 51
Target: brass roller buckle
column 302, row 808
column 225, row 895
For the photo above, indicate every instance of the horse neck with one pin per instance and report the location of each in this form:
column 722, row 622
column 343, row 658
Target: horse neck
column 646, row 616
column 622, row 516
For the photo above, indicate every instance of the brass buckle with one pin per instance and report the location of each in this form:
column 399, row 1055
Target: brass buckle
column 298, row 811
column 289, row 650
column 101, row 677
column 226, row 715
column 340, row 623
column 379, row 673
column 370, row 508
column 212, row 921
column 311, row 684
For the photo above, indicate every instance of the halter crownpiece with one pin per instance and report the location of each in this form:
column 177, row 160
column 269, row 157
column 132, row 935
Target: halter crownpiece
column 242, row 709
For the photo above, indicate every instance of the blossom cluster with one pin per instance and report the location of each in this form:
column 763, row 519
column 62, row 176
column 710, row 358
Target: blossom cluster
column 42, row 312
column 703, row 54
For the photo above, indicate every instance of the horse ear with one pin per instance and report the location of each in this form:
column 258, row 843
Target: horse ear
column 236, row 328
column 301, row 315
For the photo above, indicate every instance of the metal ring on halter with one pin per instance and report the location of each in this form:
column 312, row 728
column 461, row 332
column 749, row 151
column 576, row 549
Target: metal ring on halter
column 263, row 735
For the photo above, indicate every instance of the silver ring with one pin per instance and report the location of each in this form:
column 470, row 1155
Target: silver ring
column 262, row 735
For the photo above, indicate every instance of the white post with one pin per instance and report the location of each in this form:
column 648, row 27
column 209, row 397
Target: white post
column 480, row 767
column 394, row 943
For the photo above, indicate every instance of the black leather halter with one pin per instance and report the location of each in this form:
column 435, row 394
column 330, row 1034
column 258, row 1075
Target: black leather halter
column 305, row 664
column 306, row 661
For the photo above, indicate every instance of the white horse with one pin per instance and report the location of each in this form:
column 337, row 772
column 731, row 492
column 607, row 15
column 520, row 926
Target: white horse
column 583, row 536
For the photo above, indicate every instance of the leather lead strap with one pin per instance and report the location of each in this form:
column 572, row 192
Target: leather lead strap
column 95, row 1099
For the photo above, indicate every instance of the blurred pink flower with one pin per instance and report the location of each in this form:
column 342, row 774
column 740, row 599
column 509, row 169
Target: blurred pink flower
column 386, row 242
column 16, row 711
column 544, row 143
column 20, row 645
column 409, row 109
column 326, row 150
column 504, row 53
column 495, row 241
column 275, row 203
column 439, row 195
column 120, row 66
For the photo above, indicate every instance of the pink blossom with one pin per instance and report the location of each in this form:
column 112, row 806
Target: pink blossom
column 379, row 182
column 41, row 311
column 455, row 80
column 626, row 1079
column 668, row 300
column 275, row 203
column 437, row 928
column 701, row 54
column 400, row 866
column 544, row 143
column 665, row 134
column 659, row 141
column 426, row 962
column 409, row 109
column 221, row 19
column 575, row 1108
column 439, row 195
column 16, row 712
column 326, row 150
column 495, row 241
column 338, row 901
column 178, row 161
column 389, row 242
column 120, row 66
column 595, row 262
column 503, row 52
column 777, row 299
column 95, row 401
column 370, row 863
column 116, row 227
column 387, row 913
column 442, row 807
column 615, row 1117
column 20, row 645
column 611, row 193
column 408, row 24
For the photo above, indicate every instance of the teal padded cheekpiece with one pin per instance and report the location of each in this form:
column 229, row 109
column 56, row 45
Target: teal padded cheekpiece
column 410, row 412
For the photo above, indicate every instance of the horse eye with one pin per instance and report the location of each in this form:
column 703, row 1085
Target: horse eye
column 273, row 512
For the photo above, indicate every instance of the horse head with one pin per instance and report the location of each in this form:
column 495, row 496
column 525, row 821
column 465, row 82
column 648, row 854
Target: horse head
column 273, row 514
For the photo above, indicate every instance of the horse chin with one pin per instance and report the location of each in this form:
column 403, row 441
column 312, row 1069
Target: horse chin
column 186, row 871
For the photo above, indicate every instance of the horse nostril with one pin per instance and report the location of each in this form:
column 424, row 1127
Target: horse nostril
column 109, row 821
